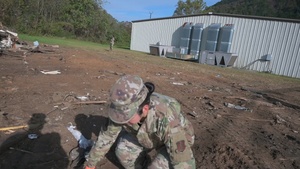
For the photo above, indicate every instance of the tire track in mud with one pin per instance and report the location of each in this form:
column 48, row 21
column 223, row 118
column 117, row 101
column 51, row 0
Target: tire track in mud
column 223, row 152
column 233, row 154
column 274, row 99
column 235, row 149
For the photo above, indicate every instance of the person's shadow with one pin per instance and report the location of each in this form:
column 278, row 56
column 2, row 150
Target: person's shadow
column 32, row 149
column 90, row 127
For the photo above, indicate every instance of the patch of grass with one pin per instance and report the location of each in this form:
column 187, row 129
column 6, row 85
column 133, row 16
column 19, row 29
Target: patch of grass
column 63, row 42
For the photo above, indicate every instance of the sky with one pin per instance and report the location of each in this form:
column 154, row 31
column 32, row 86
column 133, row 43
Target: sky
column 131, row 10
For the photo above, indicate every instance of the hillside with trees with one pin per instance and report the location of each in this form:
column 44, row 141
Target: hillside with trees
column 85, row 20
column 270, row 8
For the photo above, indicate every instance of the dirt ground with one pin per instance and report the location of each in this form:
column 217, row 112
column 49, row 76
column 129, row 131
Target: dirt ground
column 242, row 119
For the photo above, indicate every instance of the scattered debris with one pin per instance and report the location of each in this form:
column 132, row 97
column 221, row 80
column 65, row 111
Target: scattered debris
column 32, row 136
column 235, row 106
column 240, row 107
column 229, row 105
column 218, row 116
column 11, row 46
column 113, row 72
column 8, row 39
column 193, row 113
column 51, row 110
column 36, row 44
column 8, row 132
column 54, row 72
column 82, row 98
column 279, row 120
column 177, row 83
column 211, row 104
column 64, row 108
column 91, row 102
column 14, row 53
column 42, row 49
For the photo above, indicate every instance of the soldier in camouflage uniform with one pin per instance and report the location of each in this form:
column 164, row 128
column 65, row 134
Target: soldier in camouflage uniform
column 152, row 121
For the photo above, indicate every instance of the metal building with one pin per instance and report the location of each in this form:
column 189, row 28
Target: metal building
column 261, row 43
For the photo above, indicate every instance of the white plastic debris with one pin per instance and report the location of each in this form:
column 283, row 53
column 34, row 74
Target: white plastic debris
column 83, row 142
column 36, row 43
column 279, row 119
column 32, row 136
column 240, row 107
column 193, row 113
column 82, row 98
column 235, row 106
column 54, row 72
column 178, row 83
column 7, row 43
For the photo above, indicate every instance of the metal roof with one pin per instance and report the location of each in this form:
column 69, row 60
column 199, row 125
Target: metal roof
column 224, row 14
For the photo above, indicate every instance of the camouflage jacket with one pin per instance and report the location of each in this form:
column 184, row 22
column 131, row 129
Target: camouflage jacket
column 164, row 125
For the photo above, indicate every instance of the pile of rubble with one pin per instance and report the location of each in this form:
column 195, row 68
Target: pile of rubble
column 8, row 39
column 10, row 44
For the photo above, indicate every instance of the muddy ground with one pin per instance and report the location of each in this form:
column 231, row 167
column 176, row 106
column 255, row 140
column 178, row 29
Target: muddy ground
column 242, row 119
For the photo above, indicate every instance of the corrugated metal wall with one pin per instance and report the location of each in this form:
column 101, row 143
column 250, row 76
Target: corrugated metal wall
column 252, row 38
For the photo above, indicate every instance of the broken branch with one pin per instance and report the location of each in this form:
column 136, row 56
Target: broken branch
column 91, row 102
column 13, row 128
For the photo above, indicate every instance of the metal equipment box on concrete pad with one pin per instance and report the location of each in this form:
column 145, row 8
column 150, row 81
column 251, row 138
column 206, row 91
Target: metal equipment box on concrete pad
column 217, row 58
column 207, row 57
column 177, row 55
column 160, row 50
column 225, row 59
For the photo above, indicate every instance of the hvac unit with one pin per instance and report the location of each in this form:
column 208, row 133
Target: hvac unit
column 225, row 38
column 212, row 36
column 196, row 40
column 185, row 38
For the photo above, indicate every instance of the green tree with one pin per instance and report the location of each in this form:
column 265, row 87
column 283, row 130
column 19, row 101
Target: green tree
column 189, row 7
column 85, row 19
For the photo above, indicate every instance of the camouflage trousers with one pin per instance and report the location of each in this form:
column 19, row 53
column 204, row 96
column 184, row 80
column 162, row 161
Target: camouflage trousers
column 132, row 155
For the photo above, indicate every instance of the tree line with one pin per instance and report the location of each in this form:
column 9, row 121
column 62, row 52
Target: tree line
column 84, row 19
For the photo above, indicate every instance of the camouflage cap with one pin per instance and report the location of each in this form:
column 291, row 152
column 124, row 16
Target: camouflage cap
column 126, row 95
